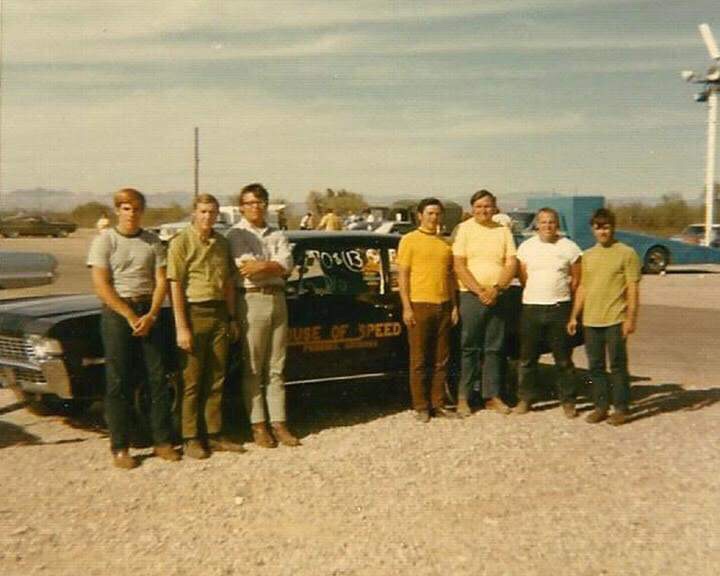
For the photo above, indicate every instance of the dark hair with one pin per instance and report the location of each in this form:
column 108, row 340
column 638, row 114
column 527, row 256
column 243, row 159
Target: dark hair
column 549, row 211
column 481, row 194
column 602, row 217
column 425, row 202
column 205, row 199
column 257, row 190
column 129, row 196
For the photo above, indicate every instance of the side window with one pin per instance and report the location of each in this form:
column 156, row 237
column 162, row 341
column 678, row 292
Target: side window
column 343, row 272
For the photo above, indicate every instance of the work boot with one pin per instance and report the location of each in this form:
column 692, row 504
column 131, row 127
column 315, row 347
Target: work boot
column 166, row 452
column 569, row 409
column 422, row 416
column 463, row 408
column 618, row 417
column 122, row 459
column 442, row 412
column 523, row 407
column 194, row 448
column 218, row 443
column 262, row 437
column 597, row 415
column 283, row 435
column 497, row 405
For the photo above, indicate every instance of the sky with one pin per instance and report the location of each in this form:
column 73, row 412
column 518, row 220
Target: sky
column 379, row 97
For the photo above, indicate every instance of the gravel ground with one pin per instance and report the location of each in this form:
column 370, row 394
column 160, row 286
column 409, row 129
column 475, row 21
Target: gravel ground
column 373, row 492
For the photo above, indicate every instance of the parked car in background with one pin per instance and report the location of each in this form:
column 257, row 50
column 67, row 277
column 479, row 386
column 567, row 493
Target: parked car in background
column 395, row 227
column 15, row 226
column 695, row 234
column 25, row 269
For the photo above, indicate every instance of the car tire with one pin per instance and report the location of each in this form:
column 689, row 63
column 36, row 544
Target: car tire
column 656, row 261
column 61, row 234
column 12, row 234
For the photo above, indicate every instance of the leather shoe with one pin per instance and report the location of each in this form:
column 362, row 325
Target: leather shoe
column 618, row 418
column 443, row 412
column 122, row 459
column 497, row 405
column 262, row 437
column 422, row 416
column 597, row 415
column 523, row 407
column 166, row 452
column 283, row 435
column 194, row 448
column 223, row 444
column 463, row 408
column 569, row 409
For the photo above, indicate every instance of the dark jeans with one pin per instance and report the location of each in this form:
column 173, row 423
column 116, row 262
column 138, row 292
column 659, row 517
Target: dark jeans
column 540, row 324
column 429, row 342
column 597, row 342
column 122, row 350
column 482, row 339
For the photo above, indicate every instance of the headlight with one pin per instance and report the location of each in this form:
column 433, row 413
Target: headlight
column 44, row 348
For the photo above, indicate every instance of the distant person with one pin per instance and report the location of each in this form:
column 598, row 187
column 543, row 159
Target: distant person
column 263, row 259
column 330, row 221
column 550, row 273
column 427, row 290
column 128, row 273
column 608, row 297
column 307, row 222
column 485, row 264
column 202, row 285
column 102, row 222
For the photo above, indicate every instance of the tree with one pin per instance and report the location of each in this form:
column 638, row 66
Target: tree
column 342, row 201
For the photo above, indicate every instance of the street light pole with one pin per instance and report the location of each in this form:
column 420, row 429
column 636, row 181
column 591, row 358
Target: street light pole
column 710, row 165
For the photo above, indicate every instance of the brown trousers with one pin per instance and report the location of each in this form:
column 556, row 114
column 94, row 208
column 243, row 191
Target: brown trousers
column 429, row 343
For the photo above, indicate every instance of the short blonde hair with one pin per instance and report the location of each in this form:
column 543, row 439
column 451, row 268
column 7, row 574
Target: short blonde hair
column 129, row 196
column 205, row 199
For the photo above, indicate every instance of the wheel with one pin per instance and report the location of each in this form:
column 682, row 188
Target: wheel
column 13, row 234
column 61, row 234
column 656, row 260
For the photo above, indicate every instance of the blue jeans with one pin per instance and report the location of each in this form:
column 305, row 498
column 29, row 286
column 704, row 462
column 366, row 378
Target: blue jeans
column 598, row 342
column 482, row 339
column 539, row 323
column 121, row 355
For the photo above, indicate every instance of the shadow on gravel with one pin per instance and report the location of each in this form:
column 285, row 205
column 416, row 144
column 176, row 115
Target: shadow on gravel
column 14, row 435
column 647, row 400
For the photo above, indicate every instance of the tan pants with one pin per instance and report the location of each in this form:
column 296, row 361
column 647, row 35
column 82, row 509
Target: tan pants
column 263, row 321
column 203, row 370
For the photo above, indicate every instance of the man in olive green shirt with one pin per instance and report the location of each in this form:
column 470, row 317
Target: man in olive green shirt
column 202, row 286
column 608, row 298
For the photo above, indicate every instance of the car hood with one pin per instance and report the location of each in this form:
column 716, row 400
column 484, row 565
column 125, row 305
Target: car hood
column 38, row 314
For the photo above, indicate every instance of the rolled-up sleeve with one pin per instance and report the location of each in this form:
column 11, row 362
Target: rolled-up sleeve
column 281, row 252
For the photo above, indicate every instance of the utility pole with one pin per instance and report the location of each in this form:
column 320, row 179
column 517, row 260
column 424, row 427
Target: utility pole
column 197, row 161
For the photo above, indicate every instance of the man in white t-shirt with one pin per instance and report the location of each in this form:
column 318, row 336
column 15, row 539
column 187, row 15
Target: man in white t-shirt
column 550, row 273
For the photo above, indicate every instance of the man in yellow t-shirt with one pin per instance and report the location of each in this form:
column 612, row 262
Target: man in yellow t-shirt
column 330, row 221
column 485, row 263
column 608, row 298
column 427, row 290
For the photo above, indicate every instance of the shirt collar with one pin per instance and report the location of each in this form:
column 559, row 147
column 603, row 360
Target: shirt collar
column 245, row 225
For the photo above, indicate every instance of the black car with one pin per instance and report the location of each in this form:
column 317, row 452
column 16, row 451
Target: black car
column 345, row 324
column 16, row 226
column 25, row 269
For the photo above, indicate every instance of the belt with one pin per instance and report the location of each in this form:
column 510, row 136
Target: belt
column 263, row 290
column 144, row 299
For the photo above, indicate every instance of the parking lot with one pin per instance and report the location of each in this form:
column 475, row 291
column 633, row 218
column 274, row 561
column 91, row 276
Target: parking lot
column 374, row 492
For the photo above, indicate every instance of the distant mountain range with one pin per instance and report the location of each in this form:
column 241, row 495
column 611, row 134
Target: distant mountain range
column 61, row 200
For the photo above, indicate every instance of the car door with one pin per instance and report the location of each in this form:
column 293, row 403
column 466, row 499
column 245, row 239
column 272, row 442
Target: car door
column 344, row 319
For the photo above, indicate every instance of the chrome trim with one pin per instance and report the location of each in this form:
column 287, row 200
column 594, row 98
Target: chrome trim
column 19, row 364
column 93, row 361
column 338, row 378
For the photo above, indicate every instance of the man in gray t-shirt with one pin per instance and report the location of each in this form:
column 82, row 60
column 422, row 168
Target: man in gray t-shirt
column 128, row 271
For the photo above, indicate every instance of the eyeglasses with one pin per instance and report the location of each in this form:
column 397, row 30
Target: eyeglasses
column 257, row 203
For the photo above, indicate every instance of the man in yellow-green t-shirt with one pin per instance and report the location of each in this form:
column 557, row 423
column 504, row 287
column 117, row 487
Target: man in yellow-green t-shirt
column 608, row 299
column 427, row 290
